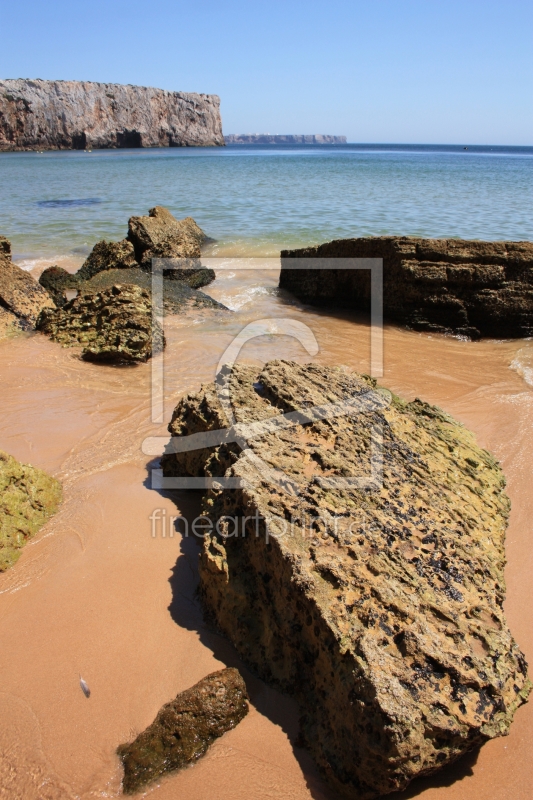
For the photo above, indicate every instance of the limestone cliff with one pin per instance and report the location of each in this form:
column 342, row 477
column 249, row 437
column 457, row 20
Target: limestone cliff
column 287, row 138
column 75, row 115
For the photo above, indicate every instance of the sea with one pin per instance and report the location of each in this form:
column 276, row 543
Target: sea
column 256, row 200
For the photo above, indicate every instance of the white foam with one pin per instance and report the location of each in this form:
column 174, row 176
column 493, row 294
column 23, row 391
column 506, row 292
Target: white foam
column 37, row 265
column 523, row 364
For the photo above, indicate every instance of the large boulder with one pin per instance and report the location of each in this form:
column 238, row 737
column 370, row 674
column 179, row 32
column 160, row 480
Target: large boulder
column 375, row 600
column 185, row 728
column 114, row 325
column 470, row 288
column 107, row 255
column 161, row 235
column 20, row 293
column 28, row 497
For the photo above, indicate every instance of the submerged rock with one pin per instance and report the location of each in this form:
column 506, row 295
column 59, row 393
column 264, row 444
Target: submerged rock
column 107, row 255
column 114, row 325
column 469, row 288
column 378, row 606
column 185, row 728
column 28, row 497
column 19, row 291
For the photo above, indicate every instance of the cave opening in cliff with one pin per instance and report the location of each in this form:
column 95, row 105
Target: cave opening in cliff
column 79, row 141
column 129, row 139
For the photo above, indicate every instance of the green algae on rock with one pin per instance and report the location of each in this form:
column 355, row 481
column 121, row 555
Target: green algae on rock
column 114, row 325
column 378, row 607
column 28, row 497
column 185, row 728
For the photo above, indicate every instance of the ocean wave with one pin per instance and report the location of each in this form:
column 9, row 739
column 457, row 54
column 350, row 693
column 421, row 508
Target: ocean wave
column 37, row 265
column 523, row 364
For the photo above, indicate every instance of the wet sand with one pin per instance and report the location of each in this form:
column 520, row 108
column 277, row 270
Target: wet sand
column 95, row 594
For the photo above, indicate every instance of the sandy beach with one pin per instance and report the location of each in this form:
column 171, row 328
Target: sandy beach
column 95, row 594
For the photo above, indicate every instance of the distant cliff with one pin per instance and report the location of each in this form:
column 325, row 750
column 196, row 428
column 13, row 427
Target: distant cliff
column 75, row 115
column 290, row 138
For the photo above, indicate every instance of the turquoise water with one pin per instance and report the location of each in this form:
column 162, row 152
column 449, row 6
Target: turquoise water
column 257, row 200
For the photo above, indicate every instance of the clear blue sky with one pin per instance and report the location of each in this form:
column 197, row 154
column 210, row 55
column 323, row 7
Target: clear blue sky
column 435, row 71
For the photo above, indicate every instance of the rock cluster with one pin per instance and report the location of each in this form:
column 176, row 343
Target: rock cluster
column 114, row 325
column 28, row 496
column 471, row 288
column 185, row 728
column 358, row 565
column 79, row 115
column 158, row 235
column 21, row 298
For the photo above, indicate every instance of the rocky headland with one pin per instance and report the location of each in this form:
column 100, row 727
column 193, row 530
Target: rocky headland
column 287, row 138
column 28, row 497
column 470, row 288
column 80, row 115
column 377, row 603
column 185, row 728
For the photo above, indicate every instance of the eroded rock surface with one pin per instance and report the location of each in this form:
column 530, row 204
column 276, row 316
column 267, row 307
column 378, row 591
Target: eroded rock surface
column 107, row 255
column 113, row 325
column 57, row 281
column 185, row 728
column 161, row 235
column 20, row 293
column 378, row 607
column 470, row 288
column 28, row 497
column 44, row 115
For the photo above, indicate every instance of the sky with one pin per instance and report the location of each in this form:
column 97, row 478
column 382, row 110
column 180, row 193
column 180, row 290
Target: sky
column 405, row 71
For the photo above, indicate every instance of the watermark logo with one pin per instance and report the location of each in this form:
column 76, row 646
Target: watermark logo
column 242, row 434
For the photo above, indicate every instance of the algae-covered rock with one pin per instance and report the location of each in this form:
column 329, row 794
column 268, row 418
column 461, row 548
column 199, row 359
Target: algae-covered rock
column 107, row 255
column 56, row 281
column 28, row 497
column 10, row 324
column 19, row 291
column 178, row 295
column 114, row 325
column 185, row 728
column 378, row 606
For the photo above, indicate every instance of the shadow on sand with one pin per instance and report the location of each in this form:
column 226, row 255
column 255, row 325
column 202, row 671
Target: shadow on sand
column 186, row 611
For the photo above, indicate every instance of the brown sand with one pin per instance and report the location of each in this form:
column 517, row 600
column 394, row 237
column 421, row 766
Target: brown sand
column 94, row 594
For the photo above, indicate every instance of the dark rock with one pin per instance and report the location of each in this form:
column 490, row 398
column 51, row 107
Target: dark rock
column 20, row 293
column 161, row 235
column 378, row 607
column 44, row 115
column 28, row 497
column 185, row 728
column 114, row 325
column 107, row 255
column 471, row 288
column 56, row 281
column 178, row 295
